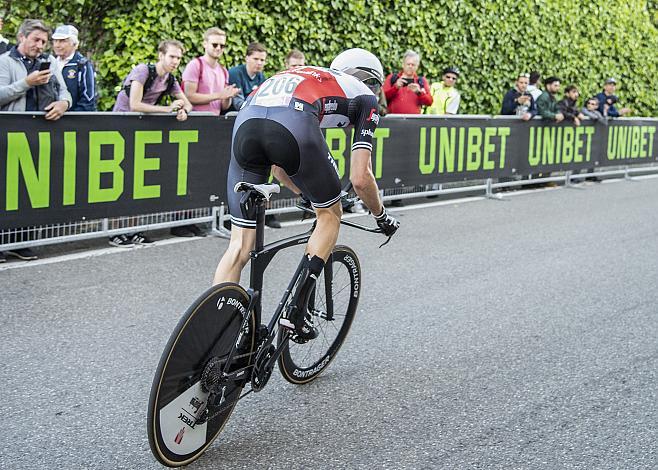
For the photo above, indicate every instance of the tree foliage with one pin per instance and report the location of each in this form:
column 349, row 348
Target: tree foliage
column 489, row 40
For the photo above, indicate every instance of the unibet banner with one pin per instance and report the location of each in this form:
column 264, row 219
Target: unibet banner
column 103, row 165
column 90, row 166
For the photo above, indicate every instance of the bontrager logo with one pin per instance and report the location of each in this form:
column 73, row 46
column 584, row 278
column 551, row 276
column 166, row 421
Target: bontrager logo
column 355, row 273
column 305, row 373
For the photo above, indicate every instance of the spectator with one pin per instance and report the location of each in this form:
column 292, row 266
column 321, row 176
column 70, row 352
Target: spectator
column 205, row 81
column 77, row 71
column 568, row 105
column 546, row 104
column 147, row 84
column 608, row 99
column 518, row 101
column 24, row 87
column 4, row 42
column 143, row 89
column 591, row 110
column 533, row 86
column 295, row 58
column 248, row 76
column 405, row 91
column 445, row 95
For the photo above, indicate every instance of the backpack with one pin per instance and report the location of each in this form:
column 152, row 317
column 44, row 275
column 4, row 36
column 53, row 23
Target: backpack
column 149, row 83
column 421, row 80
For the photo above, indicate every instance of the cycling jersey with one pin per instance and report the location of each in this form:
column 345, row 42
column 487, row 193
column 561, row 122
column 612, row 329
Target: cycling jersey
column 280, row 124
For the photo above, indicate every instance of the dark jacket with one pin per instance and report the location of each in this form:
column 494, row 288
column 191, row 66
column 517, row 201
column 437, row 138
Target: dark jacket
column 79, row 77
column 510, row 104
column 612, row 110
column 569, row 108
column 547, row 106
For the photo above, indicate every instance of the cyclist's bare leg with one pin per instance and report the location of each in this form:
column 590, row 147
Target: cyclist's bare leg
column 283, row 178
column 324, row 236
column 236, row 256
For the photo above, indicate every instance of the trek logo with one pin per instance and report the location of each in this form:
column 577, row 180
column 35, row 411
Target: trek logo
column 187, row 420
column 365, row 132
column 330, row 106
column 374, row 117
column 333, row 163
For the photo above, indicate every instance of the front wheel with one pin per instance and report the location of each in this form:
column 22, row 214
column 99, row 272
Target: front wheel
column 333, row 306
column 189, row 403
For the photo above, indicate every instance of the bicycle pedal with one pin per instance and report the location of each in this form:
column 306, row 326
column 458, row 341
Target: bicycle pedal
column 284, row 322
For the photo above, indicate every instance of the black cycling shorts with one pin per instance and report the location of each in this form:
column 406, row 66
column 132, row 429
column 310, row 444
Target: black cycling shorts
column 290, row 139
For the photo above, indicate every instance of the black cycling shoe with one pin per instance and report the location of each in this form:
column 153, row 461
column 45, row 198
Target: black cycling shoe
column 302, row 325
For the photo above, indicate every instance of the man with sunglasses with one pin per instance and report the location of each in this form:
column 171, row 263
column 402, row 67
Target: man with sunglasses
column 445, row 96
column 205, row 81
column 280, row 124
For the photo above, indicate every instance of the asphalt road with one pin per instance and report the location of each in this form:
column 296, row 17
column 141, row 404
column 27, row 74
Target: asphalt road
column 490, row 334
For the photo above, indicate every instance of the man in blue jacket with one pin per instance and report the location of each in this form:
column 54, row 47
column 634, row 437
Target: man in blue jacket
column 608, row 99
column 77, row 71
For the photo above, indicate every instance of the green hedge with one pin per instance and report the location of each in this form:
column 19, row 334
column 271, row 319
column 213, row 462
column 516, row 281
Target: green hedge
column 489, row 40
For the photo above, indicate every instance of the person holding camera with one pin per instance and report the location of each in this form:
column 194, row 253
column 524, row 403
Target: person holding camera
column 608, row 99
column 518, row 101
column 405, row 91
column 29, row 79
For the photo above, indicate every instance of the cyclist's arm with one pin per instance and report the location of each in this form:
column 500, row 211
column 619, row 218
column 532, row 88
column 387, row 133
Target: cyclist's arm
column 363, row 180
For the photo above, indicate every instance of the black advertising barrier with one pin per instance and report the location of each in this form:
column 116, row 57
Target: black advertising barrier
column 103, row 165
column 90, row 166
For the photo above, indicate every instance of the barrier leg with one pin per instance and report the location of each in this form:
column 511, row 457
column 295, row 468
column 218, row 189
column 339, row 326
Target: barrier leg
column 218, row 228
column 627, row 175
column 489, row 194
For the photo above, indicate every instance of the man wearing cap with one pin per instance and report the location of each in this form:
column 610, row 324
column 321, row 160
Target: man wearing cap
column 607, row 100
column 445, row 95
column 23, row 86
column 77, row 71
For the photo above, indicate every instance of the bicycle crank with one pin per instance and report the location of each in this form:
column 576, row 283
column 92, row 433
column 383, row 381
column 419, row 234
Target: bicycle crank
column 263, row 367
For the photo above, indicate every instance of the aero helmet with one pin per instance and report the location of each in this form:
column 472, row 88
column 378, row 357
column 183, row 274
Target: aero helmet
column 361, row 64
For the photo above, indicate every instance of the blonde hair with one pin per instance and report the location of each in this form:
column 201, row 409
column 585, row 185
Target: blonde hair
column 214, row 31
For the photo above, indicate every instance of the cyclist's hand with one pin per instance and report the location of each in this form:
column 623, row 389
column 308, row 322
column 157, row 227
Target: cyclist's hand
column 387, row 223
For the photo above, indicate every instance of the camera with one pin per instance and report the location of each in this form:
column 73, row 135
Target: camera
column 407, row 81
column 612, row 99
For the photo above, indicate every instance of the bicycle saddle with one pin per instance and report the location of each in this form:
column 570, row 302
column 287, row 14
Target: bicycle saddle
column 266, row 190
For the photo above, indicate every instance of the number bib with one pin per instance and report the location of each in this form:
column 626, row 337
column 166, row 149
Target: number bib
column 277, row 91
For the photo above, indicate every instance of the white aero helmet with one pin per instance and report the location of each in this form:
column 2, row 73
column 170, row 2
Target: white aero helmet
column 361, row 64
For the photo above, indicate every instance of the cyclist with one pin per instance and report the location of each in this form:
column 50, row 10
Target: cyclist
column 278, row 127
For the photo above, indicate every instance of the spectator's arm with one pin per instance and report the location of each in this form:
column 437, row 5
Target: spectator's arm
column 187, row 106
column 425, row 98
column 533, row 107
column 136, row 96
column 613, row 111
column 10, row 91
column 509, row 104
column 87, row 91
column 198, row 98
column 543, row 108
column 238, row 100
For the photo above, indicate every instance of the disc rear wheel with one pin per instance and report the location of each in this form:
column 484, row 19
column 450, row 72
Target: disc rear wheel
column 189, row 403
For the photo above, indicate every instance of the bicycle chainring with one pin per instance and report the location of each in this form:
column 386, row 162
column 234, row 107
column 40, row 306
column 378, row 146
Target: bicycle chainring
column 262, row 371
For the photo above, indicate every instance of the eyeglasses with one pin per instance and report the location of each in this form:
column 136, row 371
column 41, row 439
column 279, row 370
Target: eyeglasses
column 592, row 103
column 524, row 75
column 450, row 77
column 216, row 45
column 373, row 84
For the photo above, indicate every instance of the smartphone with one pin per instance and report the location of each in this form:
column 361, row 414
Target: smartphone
column 44, row 66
